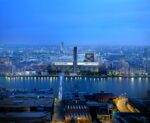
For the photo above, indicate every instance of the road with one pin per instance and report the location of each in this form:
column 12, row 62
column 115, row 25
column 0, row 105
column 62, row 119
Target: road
column 121, row 104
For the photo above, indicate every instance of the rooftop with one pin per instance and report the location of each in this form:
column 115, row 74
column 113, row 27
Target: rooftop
column 26, row 102
column 79, row 63
column 25, row 116
column 27, row 99
column 143, row 105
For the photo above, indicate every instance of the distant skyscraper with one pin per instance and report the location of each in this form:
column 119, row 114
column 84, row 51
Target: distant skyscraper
column 75, row 59
column 62, row 47
column 146, row 56
column 89, row 57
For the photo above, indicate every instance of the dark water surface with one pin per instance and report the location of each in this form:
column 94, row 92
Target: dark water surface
column 133, row 87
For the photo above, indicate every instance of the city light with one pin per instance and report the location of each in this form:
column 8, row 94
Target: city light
column 78, row 61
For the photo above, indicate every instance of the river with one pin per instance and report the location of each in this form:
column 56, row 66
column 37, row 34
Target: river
column 133, row 87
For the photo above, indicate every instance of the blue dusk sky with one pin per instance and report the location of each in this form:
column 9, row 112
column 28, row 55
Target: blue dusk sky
column 75, row 22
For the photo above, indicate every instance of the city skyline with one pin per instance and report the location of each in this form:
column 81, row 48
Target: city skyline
column 78, row 61
column 75, row 22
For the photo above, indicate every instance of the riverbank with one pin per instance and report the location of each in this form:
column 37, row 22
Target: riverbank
column 90, row 76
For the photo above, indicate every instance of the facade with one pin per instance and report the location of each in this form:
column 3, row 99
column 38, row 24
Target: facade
column 81, row 66
column 84, row 107
column 6, row 69
column 100, row 97
column 147, row 60
column 89, row 57
column 75, row 59
column 100, row 110
column 100, row 105
column 147, row 66
column 77, row 111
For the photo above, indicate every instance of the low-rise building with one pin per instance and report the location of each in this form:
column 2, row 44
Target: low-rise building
column 81, row 66
column 100, row 105
column 131, row 117
column 21, row 106
column 77, row 111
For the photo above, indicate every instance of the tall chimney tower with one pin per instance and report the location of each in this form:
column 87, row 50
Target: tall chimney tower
column 75, row 59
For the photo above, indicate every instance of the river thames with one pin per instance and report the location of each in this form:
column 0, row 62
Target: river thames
column 133, row 87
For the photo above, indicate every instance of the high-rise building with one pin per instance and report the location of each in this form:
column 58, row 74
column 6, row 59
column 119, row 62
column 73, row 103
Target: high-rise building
column 89, row 57
column 147, row 62
column 75, row 59
column 62, row 47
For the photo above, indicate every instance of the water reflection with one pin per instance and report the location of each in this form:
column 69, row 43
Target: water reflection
column 136, row 87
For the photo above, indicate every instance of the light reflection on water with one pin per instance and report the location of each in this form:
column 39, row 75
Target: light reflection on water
column 134, row 87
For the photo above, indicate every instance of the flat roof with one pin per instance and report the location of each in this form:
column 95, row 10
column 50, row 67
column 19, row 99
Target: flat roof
column 27, row 99
column 94, row 103
column 24, row 116
column 79, row 63
column 26, row 102
column 129, row 114
column 141, row 104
